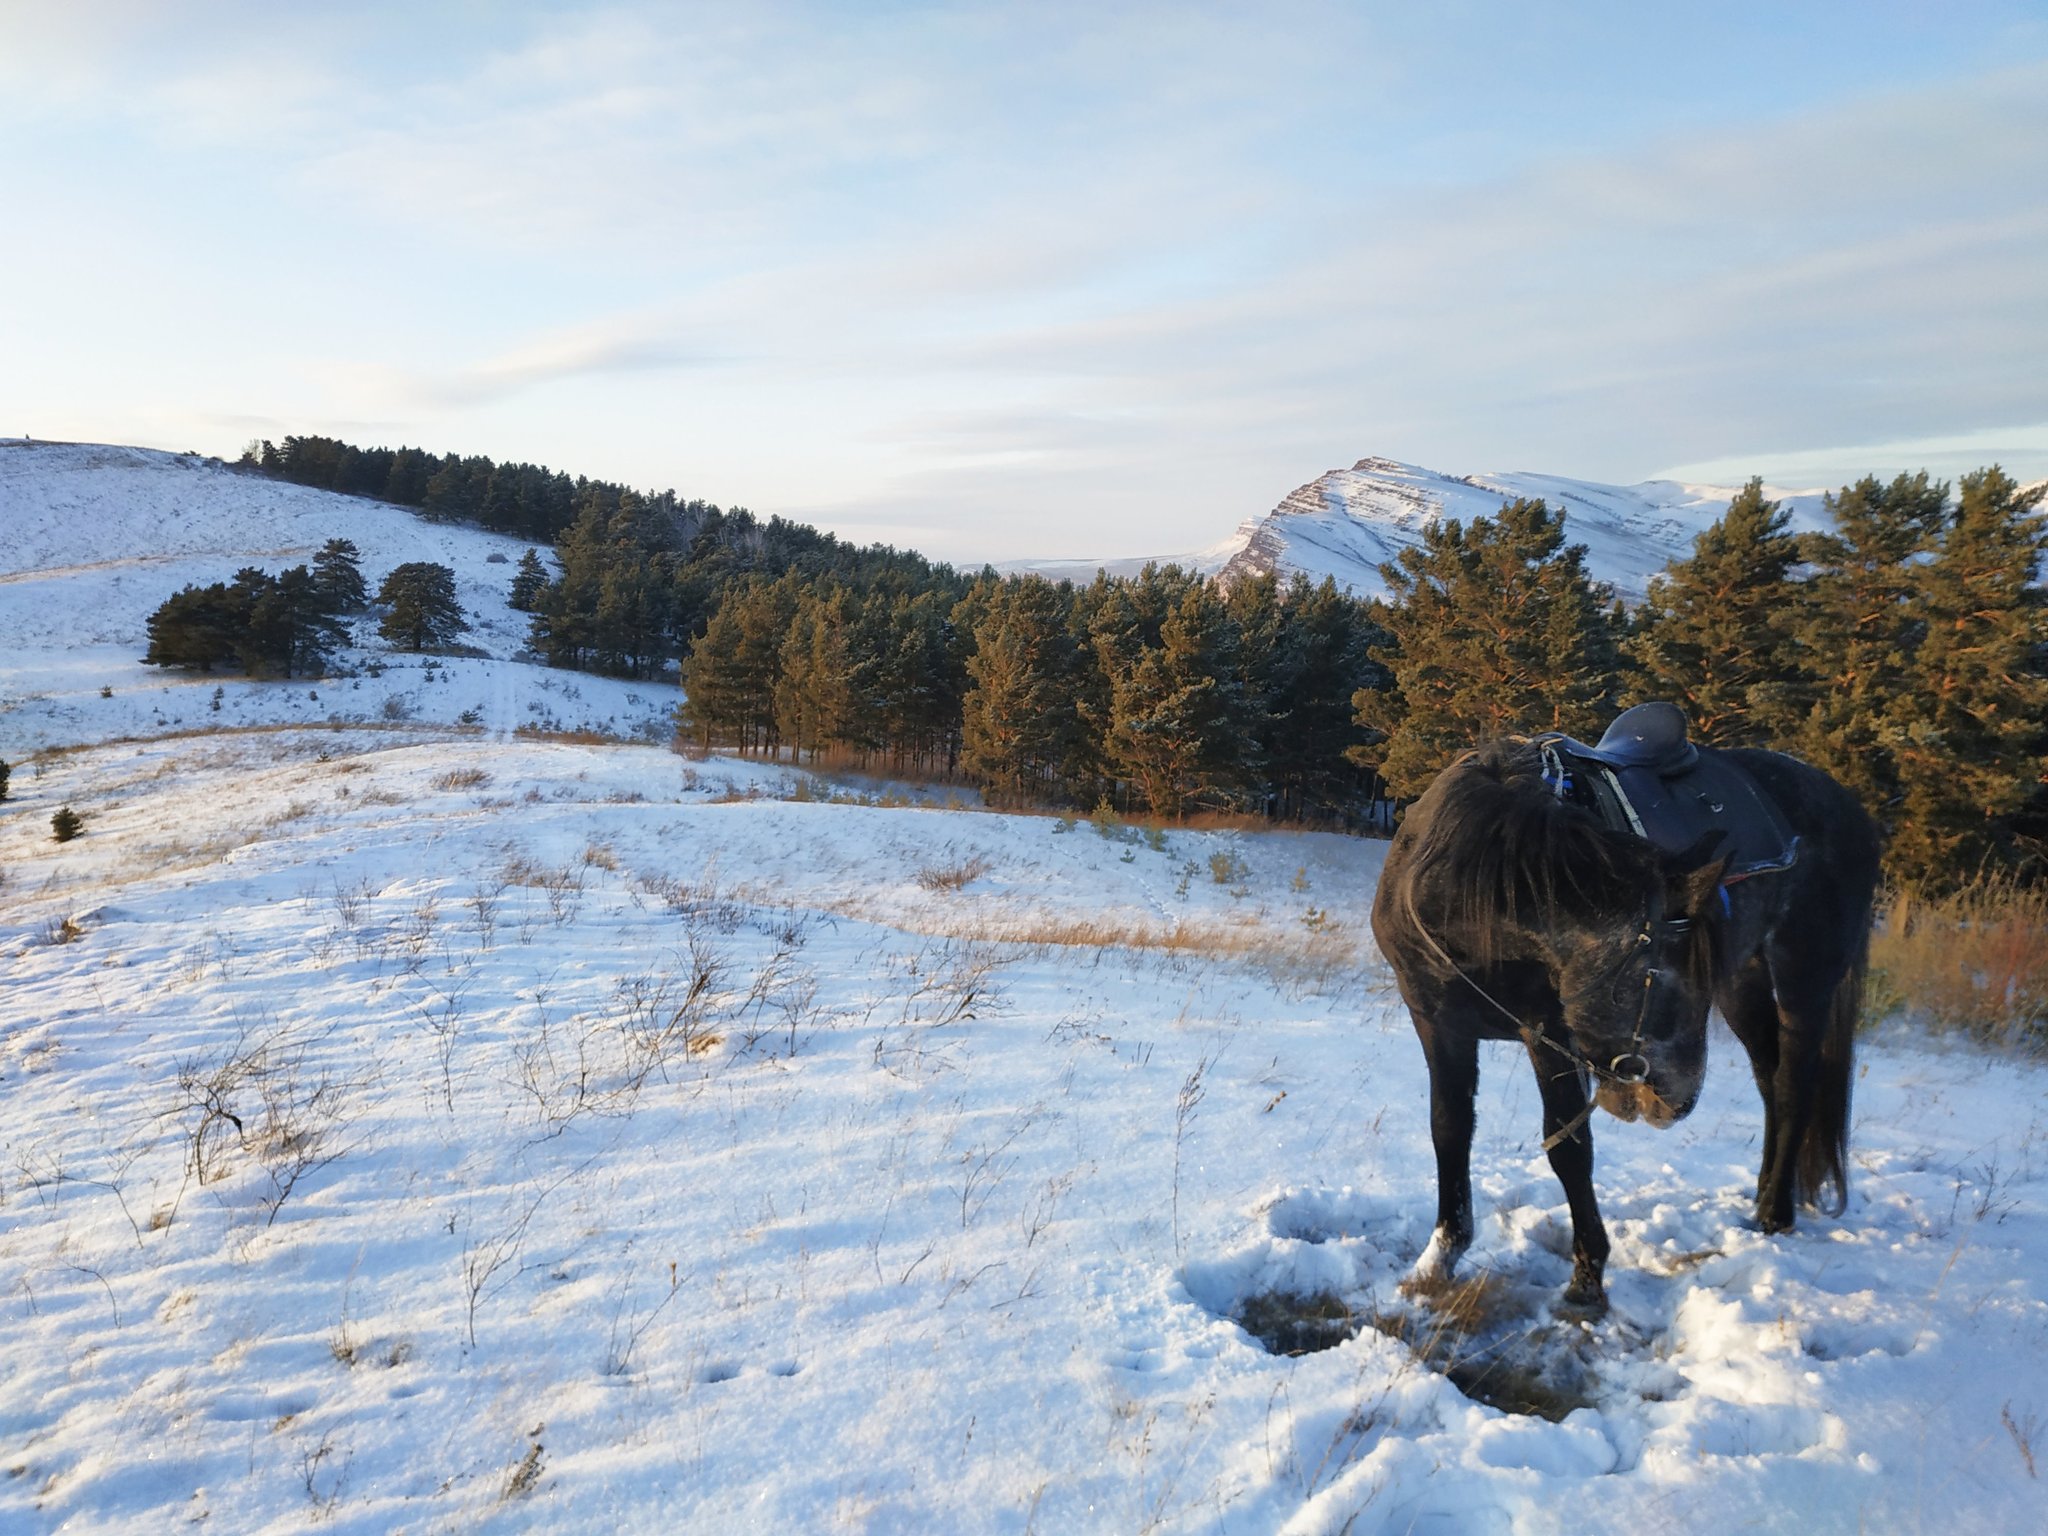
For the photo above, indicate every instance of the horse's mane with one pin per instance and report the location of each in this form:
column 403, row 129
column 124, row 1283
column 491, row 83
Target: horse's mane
column 1504, row 856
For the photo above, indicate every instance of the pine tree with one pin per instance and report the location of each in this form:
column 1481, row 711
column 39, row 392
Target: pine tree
column 5, row 772
column 1859, row 628
column 66, row 824
column 338, row 577
column 1303, row 665
column 730, row 677
column 420, row 606
column 1018, row 731
column 528, row 582
column 1711, row 637
column 1177, row 710
column 291, row 630
column 1964, row 724
column 197, row 627
column 1496, row 630
column 815, row 691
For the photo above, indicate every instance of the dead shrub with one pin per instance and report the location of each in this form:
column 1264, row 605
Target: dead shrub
column 462, row 778
column 956, row 875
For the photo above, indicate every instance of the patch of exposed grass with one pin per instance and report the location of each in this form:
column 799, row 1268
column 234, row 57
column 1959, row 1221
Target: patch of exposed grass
column 1974, row 962
column 953, row 876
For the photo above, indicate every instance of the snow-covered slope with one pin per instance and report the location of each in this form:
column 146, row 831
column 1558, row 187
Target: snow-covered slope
column 424, row 1129
column 625, row 1144
column 1348, row 522
column 93, row 538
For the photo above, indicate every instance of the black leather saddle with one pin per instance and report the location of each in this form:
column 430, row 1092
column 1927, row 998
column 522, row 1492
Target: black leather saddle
column 1647, row 778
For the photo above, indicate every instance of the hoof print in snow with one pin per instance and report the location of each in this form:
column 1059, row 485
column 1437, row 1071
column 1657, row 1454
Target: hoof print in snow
column 1140, row 1357
column 717, row 1371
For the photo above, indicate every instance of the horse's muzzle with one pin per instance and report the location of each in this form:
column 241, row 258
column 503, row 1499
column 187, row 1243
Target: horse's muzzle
column 1633, row 1101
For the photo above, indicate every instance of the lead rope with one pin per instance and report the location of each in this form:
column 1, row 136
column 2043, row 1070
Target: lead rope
column 1534, row 1032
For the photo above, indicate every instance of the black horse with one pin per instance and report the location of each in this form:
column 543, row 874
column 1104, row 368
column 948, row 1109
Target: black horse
column 1526, row 896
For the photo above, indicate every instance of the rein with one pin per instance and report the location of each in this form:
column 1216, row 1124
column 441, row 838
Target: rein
column 1628, row 1069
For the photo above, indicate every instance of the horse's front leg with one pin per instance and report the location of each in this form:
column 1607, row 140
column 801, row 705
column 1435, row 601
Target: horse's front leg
column 1453, row 1056
column 1571, row 1159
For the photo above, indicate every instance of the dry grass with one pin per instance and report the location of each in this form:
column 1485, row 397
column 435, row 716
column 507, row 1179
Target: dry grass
column 951, row 877
column 1974, row 962
column 577, row 738
column 462, row 778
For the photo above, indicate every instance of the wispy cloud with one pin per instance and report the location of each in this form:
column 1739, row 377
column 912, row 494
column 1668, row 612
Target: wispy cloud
column 984, row 269
column 589, row 352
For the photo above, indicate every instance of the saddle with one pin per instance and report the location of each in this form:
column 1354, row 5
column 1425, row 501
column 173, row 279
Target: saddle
column 1646, row 778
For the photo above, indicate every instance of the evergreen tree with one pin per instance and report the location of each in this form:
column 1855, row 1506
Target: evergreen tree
column 529, row 581
column 290, row 629
column 815, row 697
column 1177, row 712
column 66, row 824
column 5, row 772
column 1860, row 626
column 1711, row 637
column 338, row 577
column 1496, row 630
column 420, row 607
column 1963, row 724
column 198, row 627
column 731, row 676
column 1018, row 734
column 1305, row 657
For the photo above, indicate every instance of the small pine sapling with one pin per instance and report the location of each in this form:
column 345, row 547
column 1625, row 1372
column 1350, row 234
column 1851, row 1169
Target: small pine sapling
column 66, row 824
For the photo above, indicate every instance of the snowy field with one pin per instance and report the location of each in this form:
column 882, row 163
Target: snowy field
column 429, row 1133
column 409, row 1125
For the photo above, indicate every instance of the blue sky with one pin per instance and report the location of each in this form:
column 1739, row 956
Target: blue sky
column 1002, row 281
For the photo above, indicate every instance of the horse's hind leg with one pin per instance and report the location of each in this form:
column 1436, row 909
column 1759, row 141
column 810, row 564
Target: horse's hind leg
column 1751, row 1010
column 1784, row 1028
column 1571, row 1159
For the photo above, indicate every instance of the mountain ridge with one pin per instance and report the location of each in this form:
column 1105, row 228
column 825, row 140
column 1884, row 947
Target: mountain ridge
column 1346, row 522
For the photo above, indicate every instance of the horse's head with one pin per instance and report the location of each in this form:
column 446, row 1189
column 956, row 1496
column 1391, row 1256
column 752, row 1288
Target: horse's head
column 1635, row 993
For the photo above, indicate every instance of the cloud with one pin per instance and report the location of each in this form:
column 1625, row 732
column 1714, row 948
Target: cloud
column 1129, row 267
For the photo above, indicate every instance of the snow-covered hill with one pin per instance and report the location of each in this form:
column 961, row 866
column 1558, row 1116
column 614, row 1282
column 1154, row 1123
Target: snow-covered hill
column 1348, row 522
column 93, row 538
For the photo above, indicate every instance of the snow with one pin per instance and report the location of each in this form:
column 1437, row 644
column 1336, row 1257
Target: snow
column 1347, row 523
column 635, row 1143
column 73, row 616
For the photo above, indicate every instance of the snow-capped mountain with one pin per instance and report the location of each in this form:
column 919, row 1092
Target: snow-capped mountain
column 1347, row 522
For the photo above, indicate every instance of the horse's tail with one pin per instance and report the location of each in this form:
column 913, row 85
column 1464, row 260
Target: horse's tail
column 1823, row 1154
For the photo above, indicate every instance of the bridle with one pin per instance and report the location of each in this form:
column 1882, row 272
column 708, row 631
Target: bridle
column 1628, row 1069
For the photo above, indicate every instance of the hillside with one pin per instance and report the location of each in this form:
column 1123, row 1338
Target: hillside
column 95, row 537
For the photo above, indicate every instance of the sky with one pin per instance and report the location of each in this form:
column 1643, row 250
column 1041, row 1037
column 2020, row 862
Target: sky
column 1036, row 281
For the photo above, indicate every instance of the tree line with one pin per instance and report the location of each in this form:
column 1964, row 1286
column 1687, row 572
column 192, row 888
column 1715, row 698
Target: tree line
column 527, row 501
column 1902, row 650
column 1160, row 693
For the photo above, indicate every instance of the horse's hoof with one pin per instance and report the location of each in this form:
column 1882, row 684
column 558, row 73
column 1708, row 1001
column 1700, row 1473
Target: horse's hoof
column 1433, row 1270
column 1583, row 1302
column 1772, row 1224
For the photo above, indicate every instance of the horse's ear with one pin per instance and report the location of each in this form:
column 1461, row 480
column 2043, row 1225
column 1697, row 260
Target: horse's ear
column 1692, row 877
